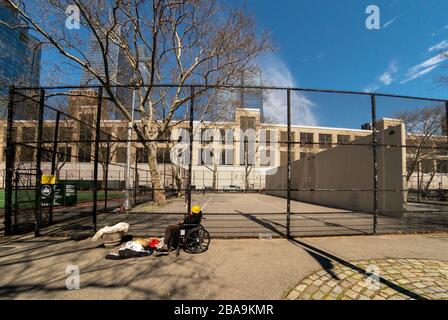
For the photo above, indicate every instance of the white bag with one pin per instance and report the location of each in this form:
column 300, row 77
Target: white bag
column 119, row 227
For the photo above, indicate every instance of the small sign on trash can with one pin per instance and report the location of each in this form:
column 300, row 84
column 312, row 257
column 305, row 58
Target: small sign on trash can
column 46, row 191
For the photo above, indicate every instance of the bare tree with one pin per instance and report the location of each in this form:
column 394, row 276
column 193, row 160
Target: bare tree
column 187, row 42
column 214, row 112
column 424, row 142
column 212, row 159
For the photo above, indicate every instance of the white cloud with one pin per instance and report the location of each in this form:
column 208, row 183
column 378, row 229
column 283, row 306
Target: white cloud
column 385, row 79
column 372, row 88
column 276, row 73
column 388, row 76
column 393, row 3
column 440, row 46
column 388, row 23
column 418, row 74
column 425, row 67
column 440, row 30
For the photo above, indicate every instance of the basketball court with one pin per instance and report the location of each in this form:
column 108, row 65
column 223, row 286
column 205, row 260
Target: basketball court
column 232, row 215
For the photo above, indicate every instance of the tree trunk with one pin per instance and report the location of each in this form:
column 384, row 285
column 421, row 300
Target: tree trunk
column 246, row 179
column 215, row 177
column 431, row 178
column 159, row 192
column 178, row 178
column 103, row 166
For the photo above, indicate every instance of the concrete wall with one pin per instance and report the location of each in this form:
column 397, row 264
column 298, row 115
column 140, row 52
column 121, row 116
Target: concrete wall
column 350, row 167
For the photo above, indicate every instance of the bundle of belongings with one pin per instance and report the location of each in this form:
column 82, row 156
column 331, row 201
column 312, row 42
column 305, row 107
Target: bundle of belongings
column 136, row 248
column 122, row 227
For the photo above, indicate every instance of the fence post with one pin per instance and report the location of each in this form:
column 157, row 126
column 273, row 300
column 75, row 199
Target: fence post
column 95, row 167
column 53, row 162
column 106, row 182
column 375, row 165
column 164, row 171
column 37, row 195
column 418, row 181
column 246, row 163
column 288, row 183
column 136, row 178
column 446, row 121
column 190, row 156
column 10, row 154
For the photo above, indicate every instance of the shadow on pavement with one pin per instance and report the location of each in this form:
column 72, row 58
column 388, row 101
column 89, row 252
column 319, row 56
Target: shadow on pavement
column 327, row 259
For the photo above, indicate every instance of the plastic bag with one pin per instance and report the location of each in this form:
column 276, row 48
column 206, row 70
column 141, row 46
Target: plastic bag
column 119, row 227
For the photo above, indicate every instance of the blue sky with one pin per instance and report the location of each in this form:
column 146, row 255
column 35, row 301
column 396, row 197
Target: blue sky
column 325, row 44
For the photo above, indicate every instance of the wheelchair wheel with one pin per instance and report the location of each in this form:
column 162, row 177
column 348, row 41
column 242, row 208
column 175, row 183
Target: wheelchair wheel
column 197, row 240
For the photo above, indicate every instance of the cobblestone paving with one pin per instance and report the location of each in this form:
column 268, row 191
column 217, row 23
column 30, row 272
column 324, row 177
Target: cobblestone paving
column 399, row 279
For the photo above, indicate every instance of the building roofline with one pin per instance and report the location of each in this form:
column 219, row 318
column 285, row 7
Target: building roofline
column 317, row 127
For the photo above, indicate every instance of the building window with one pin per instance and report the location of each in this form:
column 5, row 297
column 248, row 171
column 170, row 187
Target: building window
column 206, row 136
column 47, row 155
column 427, row 166
column 66, row 134
column 247, row 154
column 227, row 136
column 105, row 133
column 48, row 133
column 283, row 158
column 442, row 166
column 5, row 133
column 284, row 138
column 121, row 155
column 26, row 154
column 268, row 137
column 84, row 152
column 28, row 134
column 324, row 140
column 163, row 155
column 201, row 160
column 306, row 139
column 247, row 123
column 122, row 133
column 86, row 127
column 303, row 155
column 222, row 132
column 207, row 157
column 227, row 157
column 166, row 135
column 142, row 155
column 265, row 160
column 343, row 139
column 65, row 154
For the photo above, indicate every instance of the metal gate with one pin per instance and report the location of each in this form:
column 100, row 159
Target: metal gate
column 240, row 199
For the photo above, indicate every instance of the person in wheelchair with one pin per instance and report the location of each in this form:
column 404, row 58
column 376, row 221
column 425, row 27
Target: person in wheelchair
column 172, row 232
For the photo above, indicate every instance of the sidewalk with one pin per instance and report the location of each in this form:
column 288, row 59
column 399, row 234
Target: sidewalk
column 231, row 269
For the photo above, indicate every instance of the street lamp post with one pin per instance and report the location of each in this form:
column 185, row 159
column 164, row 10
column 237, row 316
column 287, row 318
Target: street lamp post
column 128, row 155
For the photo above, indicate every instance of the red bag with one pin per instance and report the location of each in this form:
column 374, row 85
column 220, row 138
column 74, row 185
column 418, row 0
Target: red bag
column 153, row 243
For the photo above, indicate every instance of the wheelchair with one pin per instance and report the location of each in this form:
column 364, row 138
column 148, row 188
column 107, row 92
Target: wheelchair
column 194, row 239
